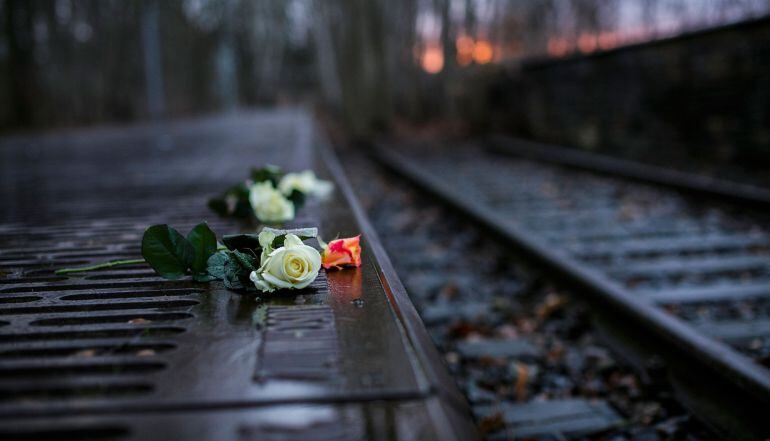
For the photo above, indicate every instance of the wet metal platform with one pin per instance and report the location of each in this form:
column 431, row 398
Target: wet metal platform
column 123, row 354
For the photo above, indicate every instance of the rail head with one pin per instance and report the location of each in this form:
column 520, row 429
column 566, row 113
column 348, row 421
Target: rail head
column 748, row 382
column 711, row 187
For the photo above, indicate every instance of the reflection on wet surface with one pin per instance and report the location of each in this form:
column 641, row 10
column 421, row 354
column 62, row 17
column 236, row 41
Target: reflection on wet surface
column 87, row 198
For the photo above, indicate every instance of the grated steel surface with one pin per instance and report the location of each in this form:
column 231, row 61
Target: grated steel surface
column 123, row 354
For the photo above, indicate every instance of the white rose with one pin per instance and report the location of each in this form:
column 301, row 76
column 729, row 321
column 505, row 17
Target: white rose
column 307, row 183
column 269, row 204
column 294, row 265
column 266, row 238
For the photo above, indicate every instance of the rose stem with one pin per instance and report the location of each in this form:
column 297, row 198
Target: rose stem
column 99, row 266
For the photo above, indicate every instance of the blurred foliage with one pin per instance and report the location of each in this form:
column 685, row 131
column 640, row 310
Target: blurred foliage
column 76, row 62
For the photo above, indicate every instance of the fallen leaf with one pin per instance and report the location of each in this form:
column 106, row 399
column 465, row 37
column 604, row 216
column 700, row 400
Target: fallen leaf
column 522, row 378
column 508, row 332
column 551, row 304
column 452, row 357
column 491, row 423
column 449, row 291
column 85, row 353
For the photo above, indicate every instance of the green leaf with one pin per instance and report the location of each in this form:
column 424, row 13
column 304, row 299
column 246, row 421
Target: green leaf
column 216, row 264
column 233, row 268
column 307, row 233
column 298, row 198
column 218, row 206
column 233, row 202
column 233, row 275
column 240, row 194
column 270, row 173
column 167, row 251
column 247, row 262
column 203, row 277
column 204, row 242
column 280, row 235
column 241, row 242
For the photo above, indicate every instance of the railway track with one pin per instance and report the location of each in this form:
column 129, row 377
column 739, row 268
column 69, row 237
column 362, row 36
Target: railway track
column 678, row 285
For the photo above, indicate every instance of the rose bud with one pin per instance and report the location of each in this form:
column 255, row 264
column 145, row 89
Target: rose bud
column 342, row 252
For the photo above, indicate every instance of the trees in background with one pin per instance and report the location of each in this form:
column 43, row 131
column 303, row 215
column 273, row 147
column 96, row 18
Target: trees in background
column 75, row 62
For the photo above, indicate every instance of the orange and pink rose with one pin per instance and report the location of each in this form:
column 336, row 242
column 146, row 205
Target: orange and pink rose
column 342, row 252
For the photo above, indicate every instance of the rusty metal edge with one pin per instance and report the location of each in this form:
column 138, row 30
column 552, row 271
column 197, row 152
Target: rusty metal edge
column 456, row 422
column 750, row 383
column 733, row 192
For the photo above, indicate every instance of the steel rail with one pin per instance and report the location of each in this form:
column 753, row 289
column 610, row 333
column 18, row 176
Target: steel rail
column 451, row 405
column 733, row 192
column 721, row 386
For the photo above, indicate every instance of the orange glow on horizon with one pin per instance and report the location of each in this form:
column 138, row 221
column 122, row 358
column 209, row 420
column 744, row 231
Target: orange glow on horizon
column 482, row 52
column 587, row 43
column 608, row 40
column 470, row 51
column 464, row 45
column 558, row 47
column 432, row 59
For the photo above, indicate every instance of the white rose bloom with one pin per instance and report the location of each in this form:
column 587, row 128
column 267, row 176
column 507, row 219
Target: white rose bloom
column 260, row 283
column 269, row 204
column 294, row 265
column 305, row 182
column 266, row 238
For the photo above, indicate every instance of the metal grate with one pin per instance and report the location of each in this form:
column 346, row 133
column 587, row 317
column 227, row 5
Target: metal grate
column 123, row 354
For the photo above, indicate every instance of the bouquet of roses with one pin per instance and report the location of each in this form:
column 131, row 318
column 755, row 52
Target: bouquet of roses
column 270, row 195
column 273, row 259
